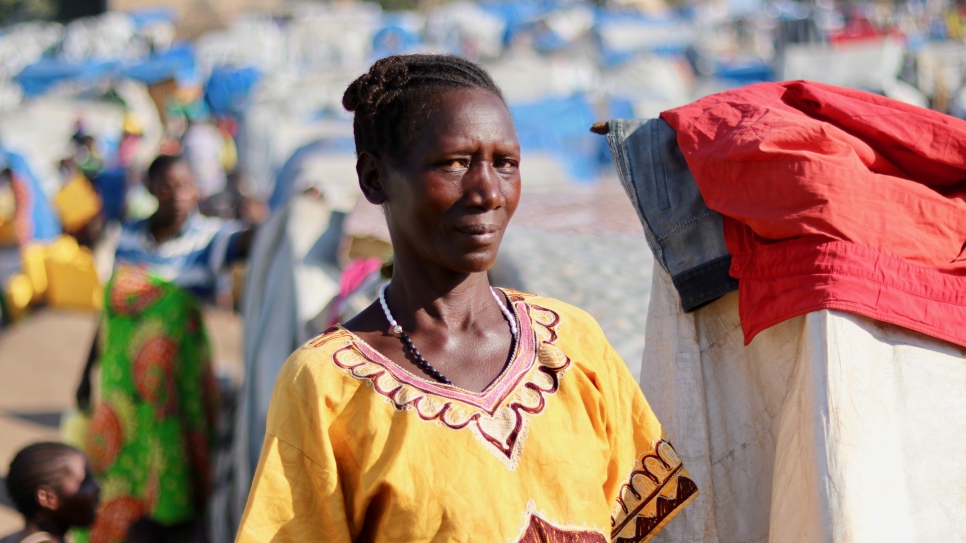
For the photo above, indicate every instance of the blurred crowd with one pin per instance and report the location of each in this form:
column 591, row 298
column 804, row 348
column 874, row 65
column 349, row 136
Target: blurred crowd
column 99, row 184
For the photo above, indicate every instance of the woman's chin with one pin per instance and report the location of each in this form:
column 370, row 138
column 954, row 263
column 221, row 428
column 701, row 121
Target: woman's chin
column 475, row 262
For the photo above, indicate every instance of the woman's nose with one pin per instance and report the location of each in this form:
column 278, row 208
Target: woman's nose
column 484, row 186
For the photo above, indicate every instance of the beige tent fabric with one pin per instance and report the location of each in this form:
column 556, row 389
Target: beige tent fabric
column 827, row 427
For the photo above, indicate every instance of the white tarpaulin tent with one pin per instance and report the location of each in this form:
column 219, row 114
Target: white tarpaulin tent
column 828, row 427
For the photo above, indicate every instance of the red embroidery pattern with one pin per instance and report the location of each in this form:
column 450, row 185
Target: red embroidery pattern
column 656, row 489
column 500, row 415
column 541, row 531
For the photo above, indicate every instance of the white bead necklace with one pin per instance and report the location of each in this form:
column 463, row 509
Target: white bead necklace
column 418, row 358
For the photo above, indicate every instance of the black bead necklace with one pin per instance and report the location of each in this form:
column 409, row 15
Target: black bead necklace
column 418, row 358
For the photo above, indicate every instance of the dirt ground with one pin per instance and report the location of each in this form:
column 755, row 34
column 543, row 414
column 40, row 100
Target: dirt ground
column 41, row 358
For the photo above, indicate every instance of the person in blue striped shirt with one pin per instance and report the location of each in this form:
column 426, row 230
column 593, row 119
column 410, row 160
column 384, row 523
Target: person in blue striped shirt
column 177, row 243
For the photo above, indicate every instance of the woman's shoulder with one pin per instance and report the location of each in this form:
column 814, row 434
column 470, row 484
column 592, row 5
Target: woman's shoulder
column 566, row 314
column 311, row 382
column 316, row 357
column 568, row 328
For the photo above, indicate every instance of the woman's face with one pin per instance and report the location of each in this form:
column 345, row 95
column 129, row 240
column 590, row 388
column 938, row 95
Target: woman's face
column 78, row 493
column 448, row 201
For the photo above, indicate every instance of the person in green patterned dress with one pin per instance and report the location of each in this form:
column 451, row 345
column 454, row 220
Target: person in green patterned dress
column 152, row 430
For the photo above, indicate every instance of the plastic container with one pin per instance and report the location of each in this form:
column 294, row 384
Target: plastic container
column 17, row 293
column 32, row 259
column 71, row 276
column 77, row 203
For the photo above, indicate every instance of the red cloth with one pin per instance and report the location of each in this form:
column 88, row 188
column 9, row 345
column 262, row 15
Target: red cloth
column 834, row 199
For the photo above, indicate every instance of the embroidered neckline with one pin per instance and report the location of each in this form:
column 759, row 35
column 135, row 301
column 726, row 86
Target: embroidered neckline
column 500, row 415
column 521, row 359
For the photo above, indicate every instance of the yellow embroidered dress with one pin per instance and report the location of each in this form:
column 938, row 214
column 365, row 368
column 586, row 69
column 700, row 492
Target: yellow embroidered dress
column 561, row 447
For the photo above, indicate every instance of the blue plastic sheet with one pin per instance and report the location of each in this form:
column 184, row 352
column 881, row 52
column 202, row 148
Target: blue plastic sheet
column 44, row 220
column 520, row 15
column 229, row 89
column 146, row 16
column 561, row 127
column 746, row 73
column 41, row 76
column 393, row 40
column 647, row 23
column 111, row 185
column 178, row 63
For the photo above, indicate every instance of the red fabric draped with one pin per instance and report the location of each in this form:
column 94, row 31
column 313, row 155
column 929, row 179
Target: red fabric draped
column 834, row 198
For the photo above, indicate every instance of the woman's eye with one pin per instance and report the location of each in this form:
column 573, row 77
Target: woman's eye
column 455, row 164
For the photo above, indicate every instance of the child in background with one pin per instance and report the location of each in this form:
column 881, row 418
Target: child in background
column 53, row 487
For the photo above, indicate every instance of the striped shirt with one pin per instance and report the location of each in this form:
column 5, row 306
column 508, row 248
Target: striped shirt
column 192, row 260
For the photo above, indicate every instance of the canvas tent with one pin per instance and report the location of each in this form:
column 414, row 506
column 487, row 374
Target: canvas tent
column 829, row 425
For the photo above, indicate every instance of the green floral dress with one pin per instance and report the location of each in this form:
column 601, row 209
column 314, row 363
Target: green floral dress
column 150, row 433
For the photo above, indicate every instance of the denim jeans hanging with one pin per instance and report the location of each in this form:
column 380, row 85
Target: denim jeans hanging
column 686, row 237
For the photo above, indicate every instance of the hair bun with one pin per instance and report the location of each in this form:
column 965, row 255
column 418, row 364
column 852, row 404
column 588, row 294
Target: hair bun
column 373, row 90
column 393, row 99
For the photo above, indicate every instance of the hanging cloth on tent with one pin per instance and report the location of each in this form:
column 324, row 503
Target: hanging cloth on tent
column 834, row 199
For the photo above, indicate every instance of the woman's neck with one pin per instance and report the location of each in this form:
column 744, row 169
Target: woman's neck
column 420, row 297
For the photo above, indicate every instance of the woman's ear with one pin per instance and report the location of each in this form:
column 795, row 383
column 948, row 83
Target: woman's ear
column 369, row 168
column 47, row 498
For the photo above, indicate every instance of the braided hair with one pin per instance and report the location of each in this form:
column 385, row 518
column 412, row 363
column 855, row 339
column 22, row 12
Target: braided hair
column 396, row 95
column 36, row 465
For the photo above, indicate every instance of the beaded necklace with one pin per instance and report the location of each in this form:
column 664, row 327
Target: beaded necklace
column 417, row 356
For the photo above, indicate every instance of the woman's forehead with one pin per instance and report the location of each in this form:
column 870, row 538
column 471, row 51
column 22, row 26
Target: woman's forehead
column 465, row 116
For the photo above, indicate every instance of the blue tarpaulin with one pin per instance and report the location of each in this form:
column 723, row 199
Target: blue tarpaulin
column 394, row 40
column 670, row 34
column 41, row 76
column 44, row 220
column 561, row 127
column 228, row 89
column 519, row 15
column 746, row 73
column 146, row 16
column 178, row 63
column 111, row 185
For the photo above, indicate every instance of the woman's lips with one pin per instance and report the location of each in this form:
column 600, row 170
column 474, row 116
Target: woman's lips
column 480, row 233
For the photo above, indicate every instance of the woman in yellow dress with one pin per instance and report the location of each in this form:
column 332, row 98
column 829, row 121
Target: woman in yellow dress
column 450, row 410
